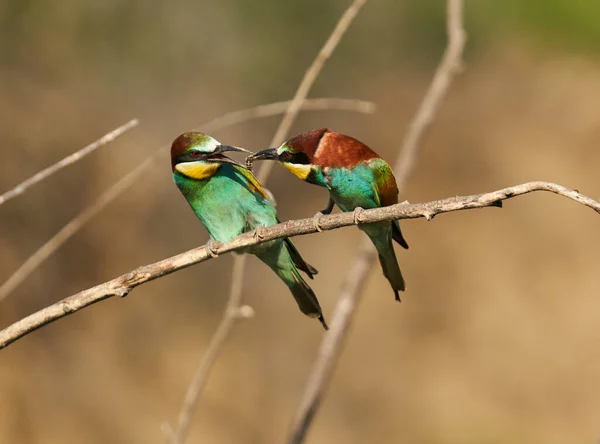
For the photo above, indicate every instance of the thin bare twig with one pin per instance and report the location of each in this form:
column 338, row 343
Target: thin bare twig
column 332, row 343
column 450, row 65
column 72, row 158
column 234, row 310
column 65, row 233
column 122, row 285
column 291, row 113
column 308, row 80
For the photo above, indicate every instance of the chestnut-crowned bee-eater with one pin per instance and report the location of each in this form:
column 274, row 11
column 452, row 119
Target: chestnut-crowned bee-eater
column 356, row 177
column 229, row 201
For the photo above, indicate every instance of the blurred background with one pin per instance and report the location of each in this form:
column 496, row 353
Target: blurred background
column 497, row 337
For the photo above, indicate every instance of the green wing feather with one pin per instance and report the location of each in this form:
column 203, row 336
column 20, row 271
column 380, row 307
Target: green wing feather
column 385, row 192
column 298, row 261
column 253, row 183
column 384, row 183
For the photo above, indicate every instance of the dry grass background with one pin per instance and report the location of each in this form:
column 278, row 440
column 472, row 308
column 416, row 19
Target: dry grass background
column 497, row 337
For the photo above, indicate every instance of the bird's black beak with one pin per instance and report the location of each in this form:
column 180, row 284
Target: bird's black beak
column 270, row 154
column 223, row 148
column 220, row 157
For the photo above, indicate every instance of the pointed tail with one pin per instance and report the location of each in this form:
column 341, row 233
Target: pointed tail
column 397, row 234
column 305, row 296
column 280, row 261
column 387, row 258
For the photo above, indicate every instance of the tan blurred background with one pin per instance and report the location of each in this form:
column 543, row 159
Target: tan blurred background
column 497, row 339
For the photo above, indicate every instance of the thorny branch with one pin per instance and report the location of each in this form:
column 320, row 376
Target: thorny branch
column 331, row 344
column 122, row 285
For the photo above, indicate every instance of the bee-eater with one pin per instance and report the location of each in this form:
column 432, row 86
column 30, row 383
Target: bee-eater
column 357, row 178
column 229, row 201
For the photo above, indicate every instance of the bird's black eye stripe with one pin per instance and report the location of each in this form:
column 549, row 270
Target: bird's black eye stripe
column 297, row 158
column 194, row 155
column 190, row 156
column 300, row 159
column 286, row 156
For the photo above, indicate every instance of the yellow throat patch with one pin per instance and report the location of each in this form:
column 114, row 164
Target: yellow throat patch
column 198, row 170
column 299, row 170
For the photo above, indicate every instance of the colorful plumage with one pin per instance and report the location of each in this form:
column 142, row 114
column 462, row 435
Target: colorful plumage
column 229, row 201
column 356, row 177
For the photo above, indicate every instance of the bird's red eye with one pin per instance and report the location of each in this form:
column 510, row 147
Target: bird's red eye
column 286, row 156
column 194, row 153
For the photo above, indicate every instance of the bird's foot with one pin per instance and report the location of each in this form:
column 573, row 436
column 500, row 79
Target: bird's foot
column 316, row 219
column 259, row 232
column 212, row 246
column 357, row 212
column 329, row 208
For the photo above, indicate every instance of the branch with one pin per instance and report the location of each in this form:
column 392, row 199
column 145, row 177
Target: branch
column 71, row 228
column 76, row 156
column 308, row 80
column 331, row 345
column 122, row 285
column 234, row 310
column 226, row 324
column 449, row 66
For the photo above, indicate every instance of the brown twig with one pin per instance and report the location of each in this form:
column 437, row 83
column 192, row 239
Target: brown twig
column 237, row 278
column 65, row 233
column 234, row 311
column 122, row 285
column 450, row 65
column 332, row 343
column 272, row 109
column 308, row 80
column 70, row 159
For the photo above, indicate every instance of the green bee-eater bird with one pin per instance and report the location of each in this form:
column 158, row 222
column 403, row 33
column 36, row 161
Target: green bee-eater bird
column 229, row 201
column 357, row 178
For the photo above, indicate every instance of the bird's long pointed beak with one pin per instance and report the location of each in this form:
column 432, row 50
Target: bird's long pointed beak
column 223, row 148
column 270, row 154
column 223, row 158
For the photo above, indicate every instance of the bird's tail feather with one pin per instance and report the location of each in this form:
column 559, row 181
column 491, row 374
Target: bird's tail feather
column 305, row 297
column 397, row 234
column 389, row 264
column 300, row 263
